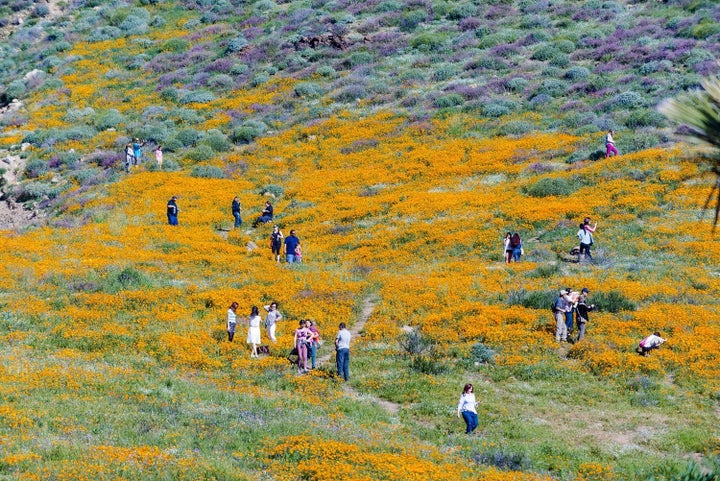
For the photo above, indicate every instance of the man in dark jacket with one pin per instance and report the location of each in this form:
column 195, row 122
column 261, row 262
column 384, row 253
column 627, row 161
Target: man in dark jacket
column 172, row 211
column 236, row 212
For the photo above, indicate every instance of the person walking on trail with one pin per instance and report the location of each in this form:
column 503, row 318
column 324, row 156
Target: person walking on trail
column 583, row 307
column 467, row 408
column 559, row 308
column 342, row 352
column 586, row 240
column 291, row 243
column 653, row 341
column 610, row 144
column 266, row 215
column 276, row 242
column 129, row 157
column 172, row 211
column 253, row 337
column 273, row 316
column 232, row 320
column 235, row 208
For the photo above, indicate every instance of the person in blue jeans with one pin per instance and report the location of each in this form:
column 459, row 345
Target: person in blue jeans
column 266, row 215
column 172, row 211
column 291, row 243
column 236, row 212
column 467, row 407
column 342, row 352
column 315, row 342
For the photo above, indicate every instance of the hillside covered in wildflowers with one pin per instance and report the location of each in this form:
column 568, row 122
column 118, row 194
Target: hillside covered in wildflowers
column 401, row 140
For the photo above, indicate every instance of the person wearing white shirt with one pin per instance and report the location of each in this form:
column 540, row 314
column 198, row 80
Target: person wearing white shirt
column 586, row 240
column 273, row 316
column 653, row 341
column 467, row 408
column 610, row 144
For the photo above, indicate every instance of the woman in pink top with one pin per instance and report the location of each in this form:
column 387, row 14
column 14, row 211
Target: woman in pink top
column 159, row 156
column 303, row 337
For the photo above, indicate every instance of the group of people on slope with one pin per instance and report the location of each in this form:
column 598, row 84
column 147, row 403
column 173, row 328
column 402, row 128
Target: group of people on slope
column 254, row 321
column 513, row 246
column 306, row 338
column 306, row 342
column 569, row 308
column 133, row 154
column 265, row 216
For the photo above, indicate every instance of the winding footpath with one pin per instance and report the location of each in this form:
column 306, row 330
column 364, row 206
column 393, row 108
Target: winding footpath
column 368, row 306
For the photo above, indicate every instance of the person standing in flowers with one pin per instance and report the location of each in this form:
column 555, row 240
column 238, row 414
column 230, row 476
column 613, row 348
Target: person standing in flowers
column 137, row 150
column 273, row 316
column 467, row 408
column 159, row 156
column 653, row 341
column 303, row 336
column 315, row 342
column 253, row 336
column 342, row 351
column 172, row 211
column 235, row 209
column 516, row 245
column 582, row 312
column 231, row 320
column 610, row 144
column 291, row 243
column 588, row 227
column 559, row 308
column 571, row 299
column 586, row 240
column 507, row 250
column 276, row 242
column 129, row 157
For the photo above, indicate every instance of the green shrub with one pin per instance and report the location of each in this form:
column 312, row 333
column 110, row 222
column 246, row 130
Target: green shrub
column 217, row 141
column 516, row 127
column 415, row 343
column 532, row 299
column 308, row 89
column 410, row 20
column 198, row 97
column 325, row 71
column 450, row 100
column 200, row 153
column 517, row 84
column 612, row 301
column 482, row 354
column 260, row 79
column 426, row 42
column 550, row 186
column 208, row 172
column 644, row 118
column 247, row 132
column 187, row 137
column 108, row 119
column 175, row 45
column 545, row 271
column 577, row 73
column 545, row 52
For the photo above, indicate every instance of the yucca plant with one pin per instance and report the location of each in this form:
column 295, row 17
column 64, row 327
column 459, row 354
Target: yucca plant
column 699, row 110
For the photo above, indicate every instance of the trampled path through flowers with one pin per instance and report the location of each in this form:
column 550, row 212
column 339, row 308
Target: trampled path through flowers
column 368, row 306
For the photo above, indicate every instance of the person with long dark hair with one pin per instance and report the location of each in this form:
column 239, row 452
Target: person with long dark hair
column 467, row 408
column 253, row 336
column 231, row 320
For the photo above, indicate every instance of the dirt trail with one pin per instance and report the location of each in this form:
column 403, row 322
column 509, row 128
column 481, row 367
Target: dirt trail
column 368, row 306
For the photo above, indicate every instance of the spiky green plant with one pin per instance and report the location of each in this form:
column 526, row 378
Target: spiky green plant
column 700, row 111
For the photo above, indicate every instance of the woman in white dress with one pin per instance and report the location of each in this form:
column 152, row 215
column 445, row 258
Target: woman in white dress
column 253, row 336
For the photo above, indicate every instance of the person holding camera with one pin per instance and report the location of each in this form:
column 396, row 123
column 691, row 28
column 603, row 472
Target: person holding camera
column 582, row 312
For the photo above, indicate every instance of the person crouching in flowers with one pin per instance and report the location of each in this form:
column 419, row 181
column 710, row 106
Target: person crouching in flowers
column 253, row 336
column 467, row 408
column 231, row 320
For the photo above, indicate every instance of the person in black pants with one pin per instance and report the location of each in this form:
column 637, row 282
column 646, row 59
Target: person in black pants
column 266, row 216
